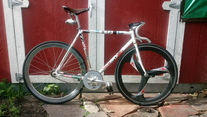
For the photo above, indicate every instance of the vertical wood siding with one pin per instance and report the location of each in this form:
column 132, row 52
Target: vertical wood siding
column 4, row 62
column 194, row 59
column 44, row 20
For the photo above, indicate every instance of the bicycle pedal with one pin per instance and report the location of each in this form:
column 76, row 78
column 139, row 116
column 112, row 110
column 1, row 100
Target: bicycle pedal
column 109, row 88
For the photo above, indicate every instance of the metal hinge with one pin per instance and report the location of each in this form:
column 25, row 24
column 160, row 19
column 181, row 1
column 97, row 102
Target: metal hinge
column 13, row 3
column 19, row 77
column 167, row 5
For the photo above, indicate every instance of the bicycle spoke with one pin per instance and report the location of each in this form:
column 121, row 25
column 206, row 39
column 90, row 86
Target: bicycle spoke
column 51, row 87
column 68, row 60
column 158, row 71
column 40, row 61
column 39, row 70
column 142, row 86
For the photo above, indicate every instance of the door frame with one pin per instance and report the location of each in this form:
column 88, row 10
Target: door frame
column 15, row 35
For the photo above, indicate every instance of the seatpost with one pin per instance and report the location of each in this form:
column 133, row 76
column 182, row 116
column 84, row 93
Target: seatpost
column 78, row 23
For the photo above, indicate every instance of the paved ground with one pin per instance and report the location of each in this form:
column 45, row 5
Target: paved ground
column 104, row 105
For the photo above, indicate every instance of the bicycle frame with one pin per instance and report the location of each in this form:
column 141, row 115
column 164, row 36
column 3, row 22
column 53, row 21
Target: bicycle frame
column 132, row 40
column 55, row 72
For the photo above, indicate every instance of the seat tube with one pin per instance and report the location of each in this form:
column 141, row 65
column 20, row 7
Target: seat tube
column 72, row 44
column 138, row 53
column 68, row 51
column 85, row 51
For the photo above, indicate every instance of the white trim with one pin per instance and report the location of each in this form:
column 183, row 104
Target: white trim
column 136, row 79
column 15, row 37
column 109, row 78
column 176, row 30
column 96, row 41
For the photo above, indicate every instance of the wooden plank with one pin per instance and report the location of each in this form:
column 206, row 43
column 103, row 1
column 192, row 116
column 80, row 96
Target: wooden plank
column 4, row 62
column 10, row 36
column 201, row 66
column 194, row 62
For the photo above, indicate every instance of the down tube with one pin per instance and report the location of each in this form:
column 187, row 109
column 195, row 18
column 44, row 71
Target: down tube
column 115, row 56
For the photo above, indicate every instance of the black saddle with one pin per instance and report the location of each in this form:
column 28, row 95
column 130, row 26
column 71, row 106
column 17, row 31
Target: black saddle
column 75, row 11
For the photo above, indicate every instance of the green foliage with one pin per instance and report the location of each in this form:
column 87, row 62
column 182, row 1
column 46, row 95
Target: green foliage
column 3, row 109
column 51, row 89
column 9, row 109
column 7, row 90
column 8, row 96
column 87, row 113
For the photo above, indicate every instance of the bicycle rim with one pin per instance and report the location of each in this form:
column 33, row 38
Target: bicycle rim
column 40, row 63
column 146, row 90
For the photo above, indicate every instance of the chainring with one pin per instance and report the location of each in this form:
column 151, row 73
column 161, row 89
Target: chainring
column 90, row 80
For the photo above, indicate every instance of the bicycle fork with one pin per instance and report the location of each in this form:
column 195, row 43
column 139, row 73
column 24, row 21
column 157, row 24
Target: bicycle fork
column 138, row 55
column 138, row 65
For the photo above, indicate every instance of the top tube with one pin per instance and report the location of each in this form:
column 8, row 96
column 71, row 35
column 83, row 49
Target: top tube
column 108, row 32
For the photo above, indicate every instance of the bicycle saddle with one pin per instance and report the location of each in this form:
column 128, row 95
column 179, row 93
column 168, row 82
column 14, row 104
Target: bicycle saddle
column 135, row 24
column 75, row 11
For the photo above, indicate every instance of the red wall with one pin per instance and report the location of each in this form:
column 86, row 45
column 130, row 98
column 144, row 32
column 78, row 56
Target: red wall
column 194, row 58
column 44, row 20
column 4, row 62
column 123, row 12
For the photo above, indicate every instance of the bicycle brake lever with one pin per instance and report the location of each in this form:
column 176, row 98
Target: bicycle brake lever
column 90, row 9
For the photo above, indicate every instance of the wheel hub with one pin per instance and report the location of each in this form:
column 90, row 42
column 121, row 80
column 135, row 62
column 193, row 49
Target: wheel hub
column 53, row 74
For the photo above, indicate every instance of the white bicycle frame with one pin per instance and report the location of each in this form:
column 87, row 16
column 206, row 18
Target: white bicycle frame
column 134, row 37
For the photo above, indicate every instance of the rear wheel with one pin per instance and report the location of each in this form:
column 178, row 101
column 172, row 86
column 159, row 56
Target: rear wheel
column 39, row 67
column 136, row 87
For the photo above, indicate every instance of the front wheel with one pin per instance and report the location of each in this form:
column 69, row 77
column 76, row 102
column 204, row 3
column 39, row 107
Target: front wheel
column 39, row 66
column 138, row 88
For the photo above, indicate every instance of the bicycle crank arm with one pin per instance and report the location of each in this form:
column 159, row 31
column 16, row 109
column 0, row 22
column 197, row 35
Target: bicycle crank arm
column 108, row 86
column 100, row 81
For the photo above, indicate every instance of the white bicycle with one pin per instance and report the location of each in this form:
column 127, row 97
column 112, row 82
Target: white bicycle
column 55, row 72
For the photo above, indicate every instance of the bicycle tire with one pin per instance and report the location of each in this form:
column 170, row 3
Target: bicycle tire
column 39, row 64
column 147, row 96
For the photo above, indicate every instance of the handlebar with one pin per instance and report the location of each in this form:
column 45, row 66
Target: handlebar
column 136, row 27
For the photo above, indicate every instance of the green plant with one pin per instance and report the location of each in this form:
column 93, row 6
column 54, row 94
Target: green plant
column 8, row 96
column 8, row 108
column 14, row 110
column 2, row 113
column 51, row 89
column 7, row 90
column 2, row 109
column 87, row 113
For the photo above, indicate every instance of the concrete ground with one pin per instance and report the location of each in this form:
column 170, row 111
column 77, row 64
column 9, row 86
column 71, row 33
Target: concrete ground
column 104, row 105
